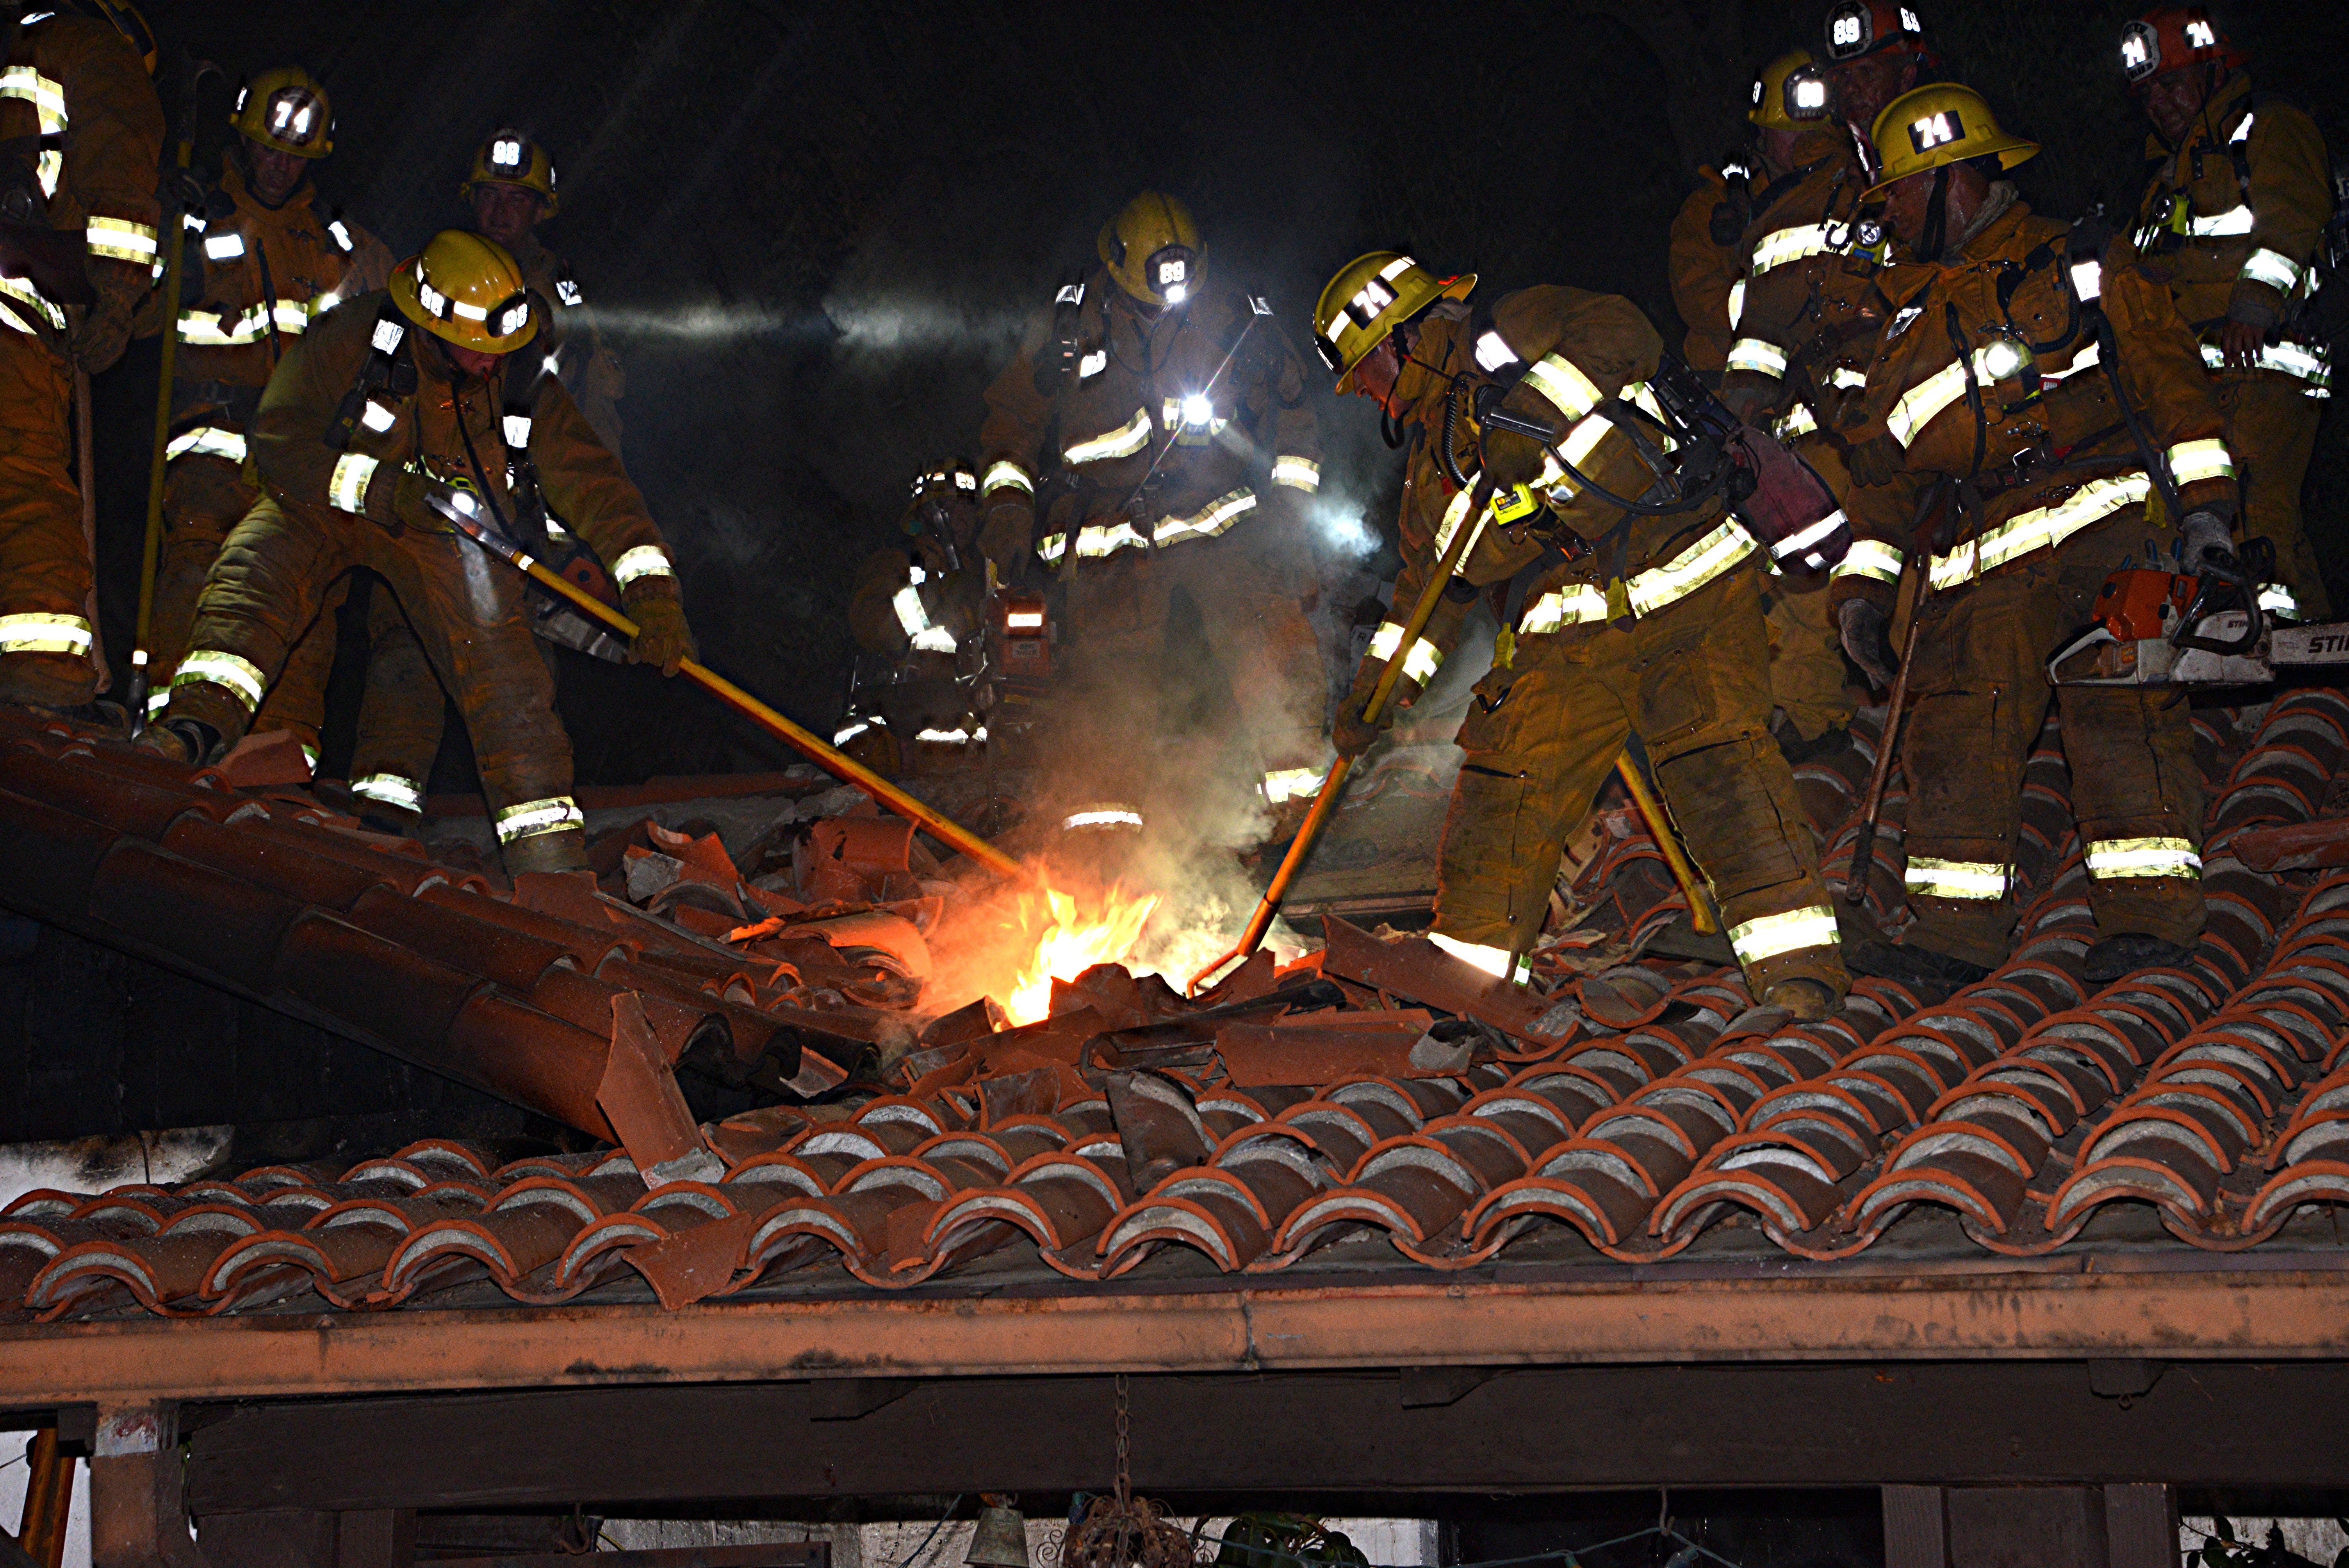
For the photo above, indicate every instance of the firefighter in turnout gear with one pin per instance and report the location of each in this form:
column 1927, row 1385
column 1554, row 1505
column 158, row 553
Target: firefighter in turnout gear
column 419, row 394
column 512, row 190
column 915, row 611
column 1156, row 419
column 267, row 261
column 2240, row 191
column 1618, row 620
column 1703, row 263
column 81, row 135
column 1873, row 51
column 2035, row 412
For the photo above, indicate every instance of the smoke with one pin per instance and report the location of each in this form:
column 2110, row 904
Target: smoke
column 711, row 325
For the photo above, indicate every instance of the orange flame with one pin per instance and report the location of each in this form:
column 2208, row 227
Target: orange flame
column 1073, row 943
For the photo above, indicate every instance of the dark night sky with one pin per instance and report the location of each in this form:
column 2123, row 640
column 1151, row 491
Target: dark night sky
column 818, row 228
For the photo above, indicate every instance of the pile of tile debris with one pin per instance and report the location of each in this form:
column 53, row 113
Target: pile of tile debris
column 1377, row 1100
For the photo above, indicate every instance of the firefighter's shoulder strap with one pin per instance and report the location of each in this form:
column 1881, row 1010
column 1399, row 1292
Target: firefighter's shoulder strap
column 389, row 367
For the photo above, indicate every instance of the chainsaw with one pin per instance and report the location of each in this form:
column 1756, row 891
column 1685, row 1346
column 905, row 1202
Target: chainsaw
column 2209, row 627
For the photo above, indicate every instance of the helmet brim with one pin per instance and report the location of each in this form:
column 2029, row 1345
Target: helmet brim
column 1454, row 288
column 464, row 334
column 2010, row 151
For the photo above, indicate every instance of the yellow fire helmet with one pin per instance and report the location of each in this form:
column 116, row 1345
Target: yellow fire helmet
column 127, row 19
column 511, row 156
column 288, row 110
column 1790, row 93
column 1370, row 296
column 1940, row 123
column 466, row 290
column 1152, row 249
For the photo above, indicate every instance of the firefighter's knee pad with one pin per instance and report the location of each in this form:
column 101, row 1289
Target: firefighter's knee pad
column 1735, row 805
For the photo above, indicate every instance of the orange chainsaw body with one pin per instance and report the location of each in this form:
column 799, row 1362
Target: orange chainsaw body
column 2136, row 603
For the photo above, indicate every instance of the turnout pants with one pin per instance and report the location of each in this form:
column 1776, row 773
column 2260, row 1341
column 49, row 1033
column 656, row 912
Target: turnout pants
column 203, row 498
column 1807, row 677
column 1979, row 694
column 46, row 637
column 2272, row 430
column 471, row 618
column 1692, row 682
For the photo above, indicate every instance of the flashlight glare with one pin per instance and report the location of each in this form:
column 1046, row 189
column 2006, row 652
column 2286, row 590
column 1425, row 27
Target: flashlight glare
column 1177, row 294
column 1198, row 410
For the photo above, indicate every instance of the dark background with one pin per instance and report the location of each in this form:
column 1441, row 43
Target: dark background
column 816, row 230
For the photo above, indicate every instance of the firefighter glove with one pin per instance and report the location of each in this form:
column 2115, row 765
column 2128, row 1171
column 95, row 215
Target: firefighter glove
column 1008, row 531
column 1353, row 734
column 2202, row 535
column 1862, row 625
column 662, row 637
column 104, row 332
column 1875, row 460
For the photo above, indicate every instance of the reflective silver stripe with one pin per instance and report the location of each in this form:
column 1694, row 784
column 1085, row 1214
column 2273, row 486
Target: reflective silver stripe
column 954, row 736
column 1736, row 303
column 1218, row 516
column 1005, row 474
column 120, row 240
column 1795, row 423
column 2089, row 359
column 1420, row 664
column 1123, row 442
column 1929, row 878
column 240, row 676
column 48, row 98
column 1776, row 250
column 391, row 790
column 2190, row 461
column 1870, row 558
column 1563, row 386
column 1497, row 961
column 2030, row 531
column 1051, row 547
column 1801, row 540
column 204, row 441
column 1690, row 569
column 1285, row 784
column 1298, row 473
column 1097, row 541
column 1772, row 934
column 857, row 727
column 515, row 428
column 2270, row 267
column 2291, row 359
column 644, row 561
column 2234, row 221
column 1920, row 403
column 20, row 289
column 158, row 700
column 1103, row 816
column 911, row 616
column 1578, row 605
column 2112, row 858
column 1756, row 354
column 32, row 633
column 346, row 488
column 210, row 329
column 1843, row 378
column 2277, row 600
column 531, row 818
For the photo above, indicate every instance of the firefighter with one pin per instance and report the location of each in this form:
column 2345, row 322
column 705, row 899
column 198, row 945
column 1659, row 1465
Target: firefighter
column 915, row 613
column 1618, row 622
column 402, row 713
column 1875, row 50
column 81, row 135
column 1703, row 263
column 267, row 261
column 1161, row 417
column 2241, row 191
column 2049, row 393
column 405, row 397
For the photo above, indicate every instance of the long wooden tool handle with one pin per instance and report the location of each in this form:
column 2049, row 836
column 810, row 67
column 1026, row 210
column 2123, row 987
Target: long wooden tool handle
column 1863, row 853
column 1463, row 541
column 941, row 828
column 150, row 554
column 1702, row 919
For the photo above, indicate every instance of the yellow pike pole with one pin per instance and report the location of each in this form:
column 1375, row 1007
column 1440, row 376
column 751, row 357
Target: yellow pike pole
column 1464, row 541
column 1651, row 810
column 943, row 829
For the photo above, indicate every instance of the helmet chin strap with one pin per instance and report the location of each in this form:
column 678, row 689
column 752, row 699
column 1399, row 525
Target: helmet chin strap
column 1935, row 238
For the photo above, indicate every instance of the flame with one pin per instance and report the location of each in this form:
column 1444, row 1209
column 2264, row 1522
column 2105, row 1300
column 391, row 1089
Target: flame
column 1073, row 943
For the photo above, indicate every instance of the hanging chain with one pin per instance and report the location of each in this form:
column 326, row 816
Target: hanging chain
column 1124, row 1447
column 1122, row 1530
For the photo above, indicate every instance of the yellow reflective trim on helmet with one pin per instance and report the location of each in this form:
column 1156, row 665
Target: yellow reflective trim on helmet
column 1929, row 878
column 1772, row 934
column 531, row 818
column 2109, row 859
column 35, row 632
column 1123, row 442
column 221, row 668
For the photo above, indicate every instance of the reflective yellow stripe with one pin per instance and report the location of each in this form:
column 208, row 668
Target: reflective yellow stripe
column 1844, row 379
column 644, row 561
column 1870, row 558
column 2206, row 459
column 1690, row 569
column 2112, row 858
column 1005, row 474
column 1929, row 878
column 1795, row 423
column 1563, row 386
column 911, row 616
column 531, row 818
column 1773, row 935
column 392, row 790
column 1420, row 664
column 120, row 240
column 2030, row 531
column 1051, row 547
column 1298, row 473
column 1497, row 961
column 1285, row 784
column 1103, row 816
column 38, row 633
column 2292, row 358
column 1792, row 245
column 2234, row 221
column 204, row 441
column 1218, row 516
column 1756, row 354
column 1736, row 303
column 347, row 486
column 210, row 329
column 1123, row 442
column 1578, row 605
column 1096, row 541
column 2089, row 359
column 1928, row 398
column 242, row 676
column 2273, row 268
column 46, row 97
column 21, row 290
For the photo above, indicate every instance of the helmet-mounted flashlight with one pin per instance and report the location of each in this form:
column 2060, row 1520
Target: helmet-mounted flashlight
column 1806, row 94
column 1171, row 269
